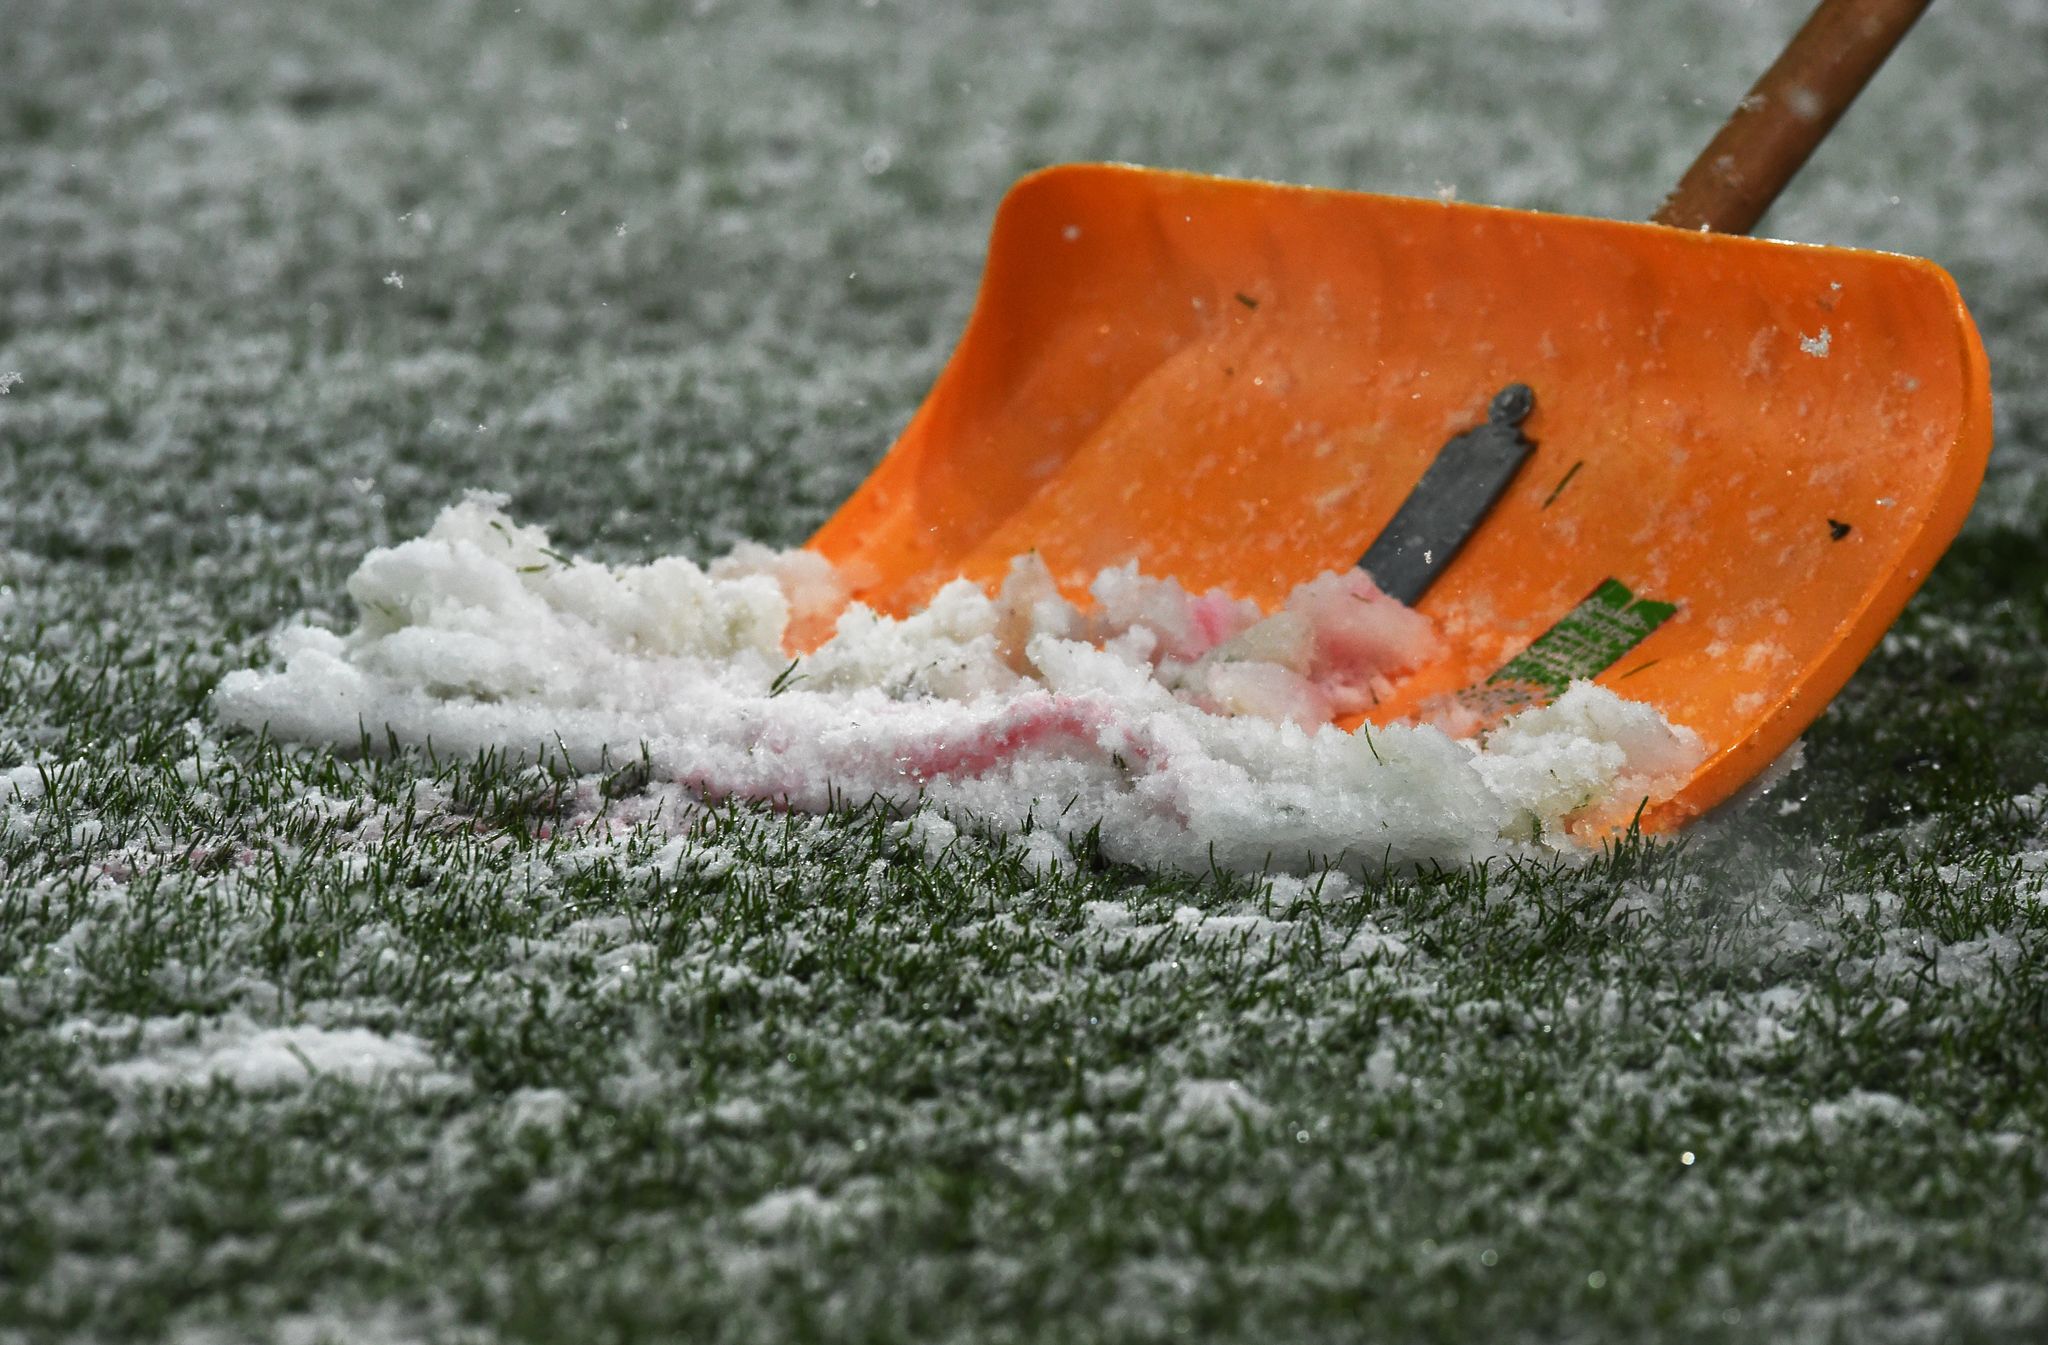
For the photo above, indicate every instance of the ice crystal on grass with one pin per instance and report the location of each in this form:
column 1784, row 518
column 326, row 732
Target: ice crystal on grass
column 1212, row 1104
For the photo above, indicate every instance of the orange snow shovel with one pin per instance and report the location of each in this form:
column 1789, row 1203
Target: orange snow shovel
column 1709, row 470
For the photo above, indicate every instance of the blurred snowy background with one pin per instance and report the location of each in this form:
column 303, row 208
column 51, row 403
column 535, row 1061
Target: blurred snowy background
column 285, row 277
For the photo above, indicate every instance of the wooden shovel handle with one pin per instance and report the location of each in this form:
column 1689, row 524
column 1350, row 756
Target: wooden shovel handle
column 1776, row 127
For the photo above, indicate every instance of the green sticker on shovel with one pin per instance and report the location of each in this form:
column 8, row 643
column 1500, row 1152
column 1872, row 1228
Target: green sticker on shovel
column 1587, row 640
column 1584, row 643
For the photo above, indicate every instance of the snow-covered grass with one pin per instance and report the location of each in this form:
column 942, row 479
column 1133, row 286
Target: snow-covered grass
column 299, row 1044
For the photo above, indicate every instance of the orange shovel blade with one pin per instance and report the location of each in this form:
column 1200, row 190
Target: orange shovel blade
column 1237, row 383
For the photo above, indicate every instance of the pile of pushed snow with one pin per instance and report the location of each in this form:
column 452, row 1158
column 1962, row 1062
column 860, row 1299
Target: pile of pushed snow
column 1191, row 729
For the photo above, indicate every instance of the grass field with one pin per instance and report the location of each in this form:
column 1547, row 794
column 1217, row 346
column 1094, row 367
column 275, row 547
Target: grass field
column 304, row 1045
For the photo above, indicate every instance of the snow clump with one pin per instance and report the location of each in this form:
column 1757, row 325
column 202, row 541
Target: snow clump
column 260, row 1059
column 1182, row 729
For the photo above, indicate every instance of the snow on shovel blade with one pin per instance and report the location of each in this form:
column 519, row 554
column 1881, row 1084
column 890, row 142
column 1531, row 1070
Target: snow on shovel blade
column 1240, row 383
